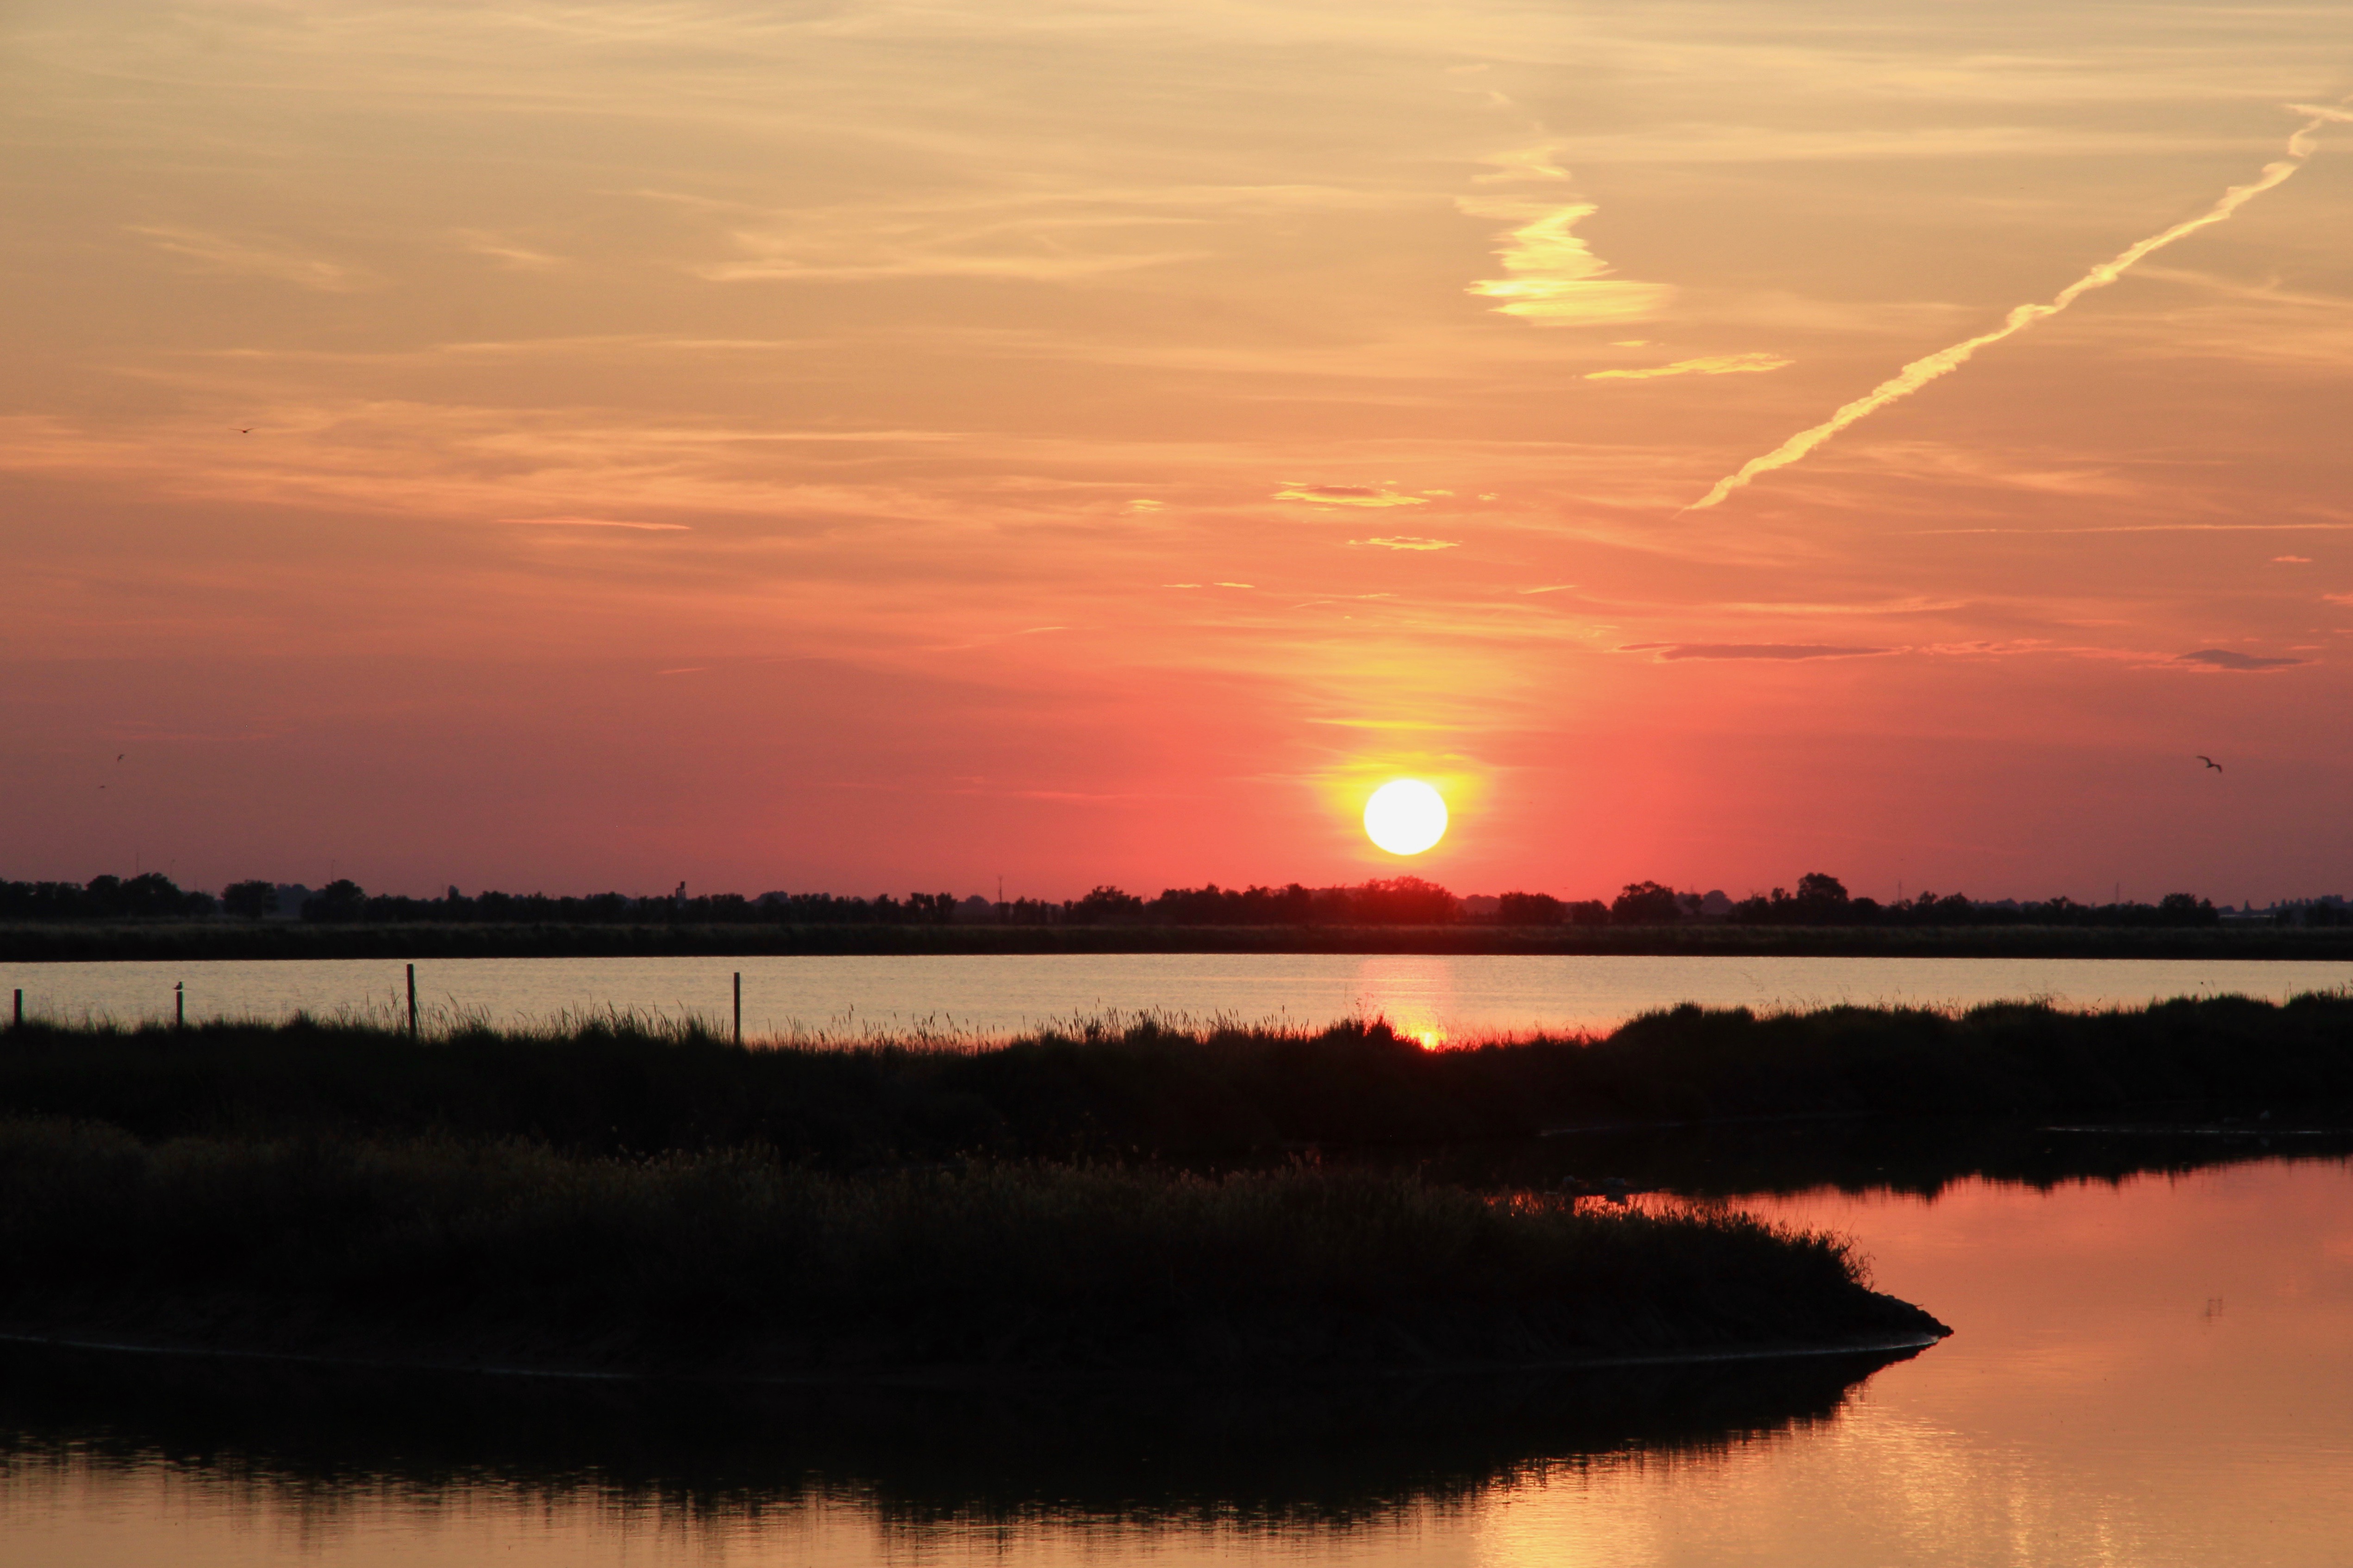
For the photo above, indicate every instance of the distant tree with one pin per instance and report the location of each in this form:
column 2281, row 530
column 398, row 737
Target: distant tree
column 1646, row 903
column 1820, row 886
column 1211, row 905
column 2185, row 909
column 249, row 901
column 341, row 899
column 1401, row 900
column 931, row 909
column 1104, row 905
column 1530, row 910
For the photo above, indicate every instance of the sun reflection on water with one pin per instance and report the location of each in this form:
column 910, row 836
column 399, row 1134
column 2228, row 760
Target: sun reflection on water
column 1413, row 993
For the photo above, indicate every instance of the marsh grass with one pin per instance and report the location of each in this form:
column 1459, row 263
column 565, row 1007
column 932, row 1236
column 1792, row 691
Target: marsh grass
column 1132, row 1086
column 511, row 1252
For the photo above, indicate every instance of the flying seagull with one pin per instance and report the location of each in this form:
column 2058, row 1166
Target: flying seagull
column 2210, row 761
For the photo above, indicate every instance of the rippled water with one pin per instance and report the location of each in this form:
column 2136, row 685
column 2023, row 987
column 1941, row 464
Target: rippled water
column 2152, row 1371
column 1428, row 994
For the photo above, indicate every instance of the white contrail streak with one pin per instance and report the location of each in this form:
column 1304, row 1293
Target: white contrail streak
column 1921, row 371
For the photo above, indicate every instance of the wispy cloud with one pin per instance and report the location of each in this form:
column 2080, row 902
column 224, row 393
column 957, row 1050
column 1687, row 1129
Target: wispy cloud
column 259, row 259
column 1710, row 364
column 597, row 522
column 1348, row 494
column 506, row 252
column 1913, row 605
column 1060, row 237
column 2223, row 658
column 1407, row 542
column 1920, row 372
column 1779, row 650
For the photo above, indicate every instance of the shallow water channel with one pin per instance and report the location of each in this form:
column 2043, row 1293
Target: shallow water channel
column 1433, row 995
column 2148, row 1368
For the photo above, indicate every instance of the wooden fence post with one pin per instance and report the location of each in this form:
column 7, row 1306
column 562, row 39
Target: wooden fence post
column 739, row 1006
column 412, row 1001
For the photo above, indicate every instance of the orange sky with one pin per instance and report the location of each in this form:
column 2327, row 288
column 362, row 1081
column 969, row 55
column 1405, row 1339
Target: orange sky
column 866, row 446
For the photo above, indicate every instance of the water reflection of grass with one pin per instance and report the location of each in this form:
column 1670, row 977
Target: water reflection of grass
column 1220, row 1459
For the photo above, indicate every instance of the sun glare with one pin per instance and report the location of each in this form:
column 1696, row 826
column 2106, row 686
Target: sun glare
column 1405, row 816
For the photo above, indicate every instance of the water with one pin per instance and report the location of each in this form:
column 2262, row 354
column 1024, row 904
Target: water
column 2147, row 1372
column 1433, row 996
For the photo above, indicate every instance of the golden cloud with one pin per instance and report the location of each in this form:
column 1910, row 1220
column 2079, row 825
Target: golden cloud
column 1554, row 280
column 1709, row 364
column 1347, row 495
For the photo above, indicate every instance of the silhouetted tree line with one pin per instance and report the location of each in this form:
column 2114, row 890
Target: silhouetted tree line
column 150, row 896
column 1820, row 899
column 1400, row 901
column 345, row 900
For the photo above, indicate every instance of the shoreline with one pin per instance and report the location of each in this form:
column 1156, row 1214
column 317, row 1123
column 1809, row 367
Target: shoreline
column 979, row 1376
column 152, row 941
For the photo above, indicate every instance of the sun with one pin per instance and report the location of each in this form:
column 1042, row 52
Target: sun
column 1405, row 816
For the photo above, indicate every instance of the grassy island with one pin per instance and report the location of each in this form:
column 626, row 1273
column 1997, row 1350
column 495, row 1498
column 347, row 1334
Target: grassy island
column 626, row 1196
column 733, row 1260
column 1127, row 1196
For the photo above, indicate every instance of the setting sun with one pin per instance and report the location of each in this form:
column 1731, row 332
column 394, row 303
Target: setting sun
column 1405, row 816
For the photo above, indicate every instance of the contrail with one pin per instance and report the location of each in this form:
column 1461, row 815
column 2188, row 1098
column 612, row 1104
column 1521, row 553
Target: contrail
column 1921, row 371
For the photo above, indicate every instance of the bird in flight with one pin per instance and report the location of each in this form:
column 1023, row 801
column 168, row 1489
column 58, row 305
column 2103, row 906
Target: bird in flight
column 2210, row 761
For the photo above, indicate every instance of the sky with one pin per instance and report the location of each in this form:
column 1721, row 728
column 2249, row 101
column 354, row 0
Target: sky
column 874, row 445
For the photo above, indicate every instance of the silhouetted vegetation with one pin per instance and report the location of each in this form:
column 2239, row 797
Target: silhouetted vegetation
column 1543, row 909
column 1144, row 1089
column 645, row 1195
column 735, row 1259
column 1821, row 901
column 153, row 896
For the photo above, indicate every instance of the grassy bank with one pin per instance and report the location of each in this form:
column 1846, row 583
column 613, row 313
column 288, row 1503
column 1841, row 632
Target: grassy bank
column 163, row 940
column 1150, row 1090
column 732, row 1260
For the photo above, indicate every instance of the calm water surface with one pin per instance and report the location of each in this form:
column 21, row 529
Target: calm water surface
column 2152, row 1372
column 994, row 995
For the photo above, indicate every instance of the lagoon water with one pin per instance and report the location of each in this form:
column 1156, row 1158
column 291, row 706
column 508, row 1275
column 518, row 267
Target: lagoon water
column 1430, row 995
column 2147, row 1372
